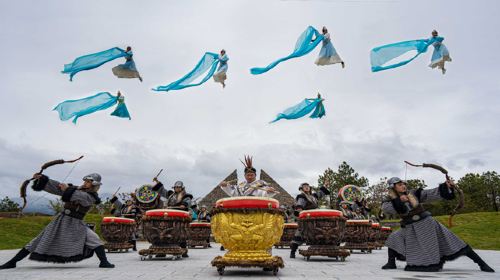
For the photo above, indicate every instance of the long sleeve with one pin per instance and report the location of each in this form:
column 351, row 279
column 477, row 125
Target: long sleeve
column 230, row 190
column 301, row 203
column 394, row 206
column 435, row 194
column 161, row 190
column 72, row 194
column 187, row 202
column 388, row 208
column 48, row 185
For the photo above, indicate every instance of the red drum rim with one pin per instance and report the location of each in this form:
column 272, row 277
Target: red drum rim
column 198, row 224
column 375, row 225
column 117, row 220
column 356, row 222
column 386, row 228
column 167, row 213
column 319, row 213
column 248, row 202
column 291, row 225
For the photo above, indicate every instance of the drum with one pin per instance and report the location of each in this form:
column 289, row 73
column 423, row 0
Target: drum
column 117, row 232
column 384, row 234
column 166, row 230
column 374, row 237
column 349, row 193
column 247, row 227
column 199, row 234
column 288, row 234
column 356, row 235
column 323, row 230
column 147, row 198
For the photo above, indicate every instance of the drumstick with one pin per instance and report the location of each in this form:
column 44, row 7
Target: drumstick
column 156, row 177
column 117, row 191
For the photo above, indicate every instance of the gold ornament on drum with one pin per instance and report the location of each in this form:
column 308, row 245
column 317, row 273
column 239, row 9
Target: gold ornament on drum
column 248, row 235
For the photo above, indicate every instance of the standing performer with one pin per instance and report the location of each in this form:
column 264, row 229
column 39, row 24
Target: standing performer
column 127, row 70
column 328, row 55
column 177, row 199
column 440, row 54
column 128, row 210
column 204, row 215
column 251, row 186
column 66, row 238
column 220, row 76
column 423, row 242
column 306, row 200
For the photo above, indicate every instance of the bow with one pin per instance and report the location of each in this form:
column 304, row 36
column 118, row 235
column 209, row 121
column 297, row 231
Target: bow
column 46, row 165
column 461, row 198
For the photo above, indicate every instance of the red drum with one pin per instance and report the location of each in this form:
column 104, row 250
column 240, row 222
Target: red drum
column 323, row 230
column 357, row 234
column 199, row 234
column 384, row 234
column 288, row 234
column 166, row 230
column 117, row 232
column 374, row 238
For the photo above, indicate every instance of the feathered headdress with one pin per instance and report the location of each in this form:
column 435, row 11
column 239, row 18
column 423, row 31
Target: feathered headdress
column 248, row 165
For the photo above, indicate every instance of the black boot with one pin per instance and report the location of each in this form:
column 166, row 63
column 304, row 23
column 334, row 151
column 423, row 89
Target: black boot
column 134, row 243
column 293, row 249
column 184, row 246
column 19, row 256
column 391, row 260
column 475, row 257
column 101, row 254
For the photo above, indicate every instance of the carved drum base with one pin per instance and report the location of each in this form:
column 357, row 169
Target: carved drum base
column 372, row 245
column 327, row 251
column 287, row 237
column 363, row 247
column 283, row 245
column 118, row 247
column 273, row 263
column 161, row 252
column 198, row 243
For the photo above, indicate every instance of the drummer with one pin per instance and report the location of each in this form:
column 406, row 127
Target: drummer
column 345, row 207
column 306, row 200
column 130, row 210
column 251, row 186
column 204, row 215
column 177, row 199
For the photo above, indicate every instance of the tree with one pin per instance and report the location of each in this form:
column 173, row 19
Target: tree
column 481, row 192
column 375, row 195
column 345, row 175
column 414, row 184
column 492, row 187
column 7, row 205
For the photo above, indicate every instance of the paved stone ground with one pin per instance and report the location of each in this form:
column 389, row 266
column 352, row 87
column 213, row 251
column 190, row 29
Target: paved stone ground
column 197, row 266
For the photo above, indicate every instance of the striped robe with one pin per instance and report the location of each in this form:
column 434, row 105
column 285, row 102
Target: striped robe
column 64, row 239
column 426, row 242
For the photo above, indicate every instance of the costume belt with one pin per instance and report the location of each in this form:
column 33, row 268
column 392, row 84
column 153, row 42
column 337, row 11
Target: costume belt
column 410, row 219
column 75, row 211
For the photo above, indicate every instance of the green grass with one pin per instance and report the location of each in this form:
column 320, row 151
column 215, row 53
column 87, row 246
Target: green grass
column 15, row 233
column 480, row 230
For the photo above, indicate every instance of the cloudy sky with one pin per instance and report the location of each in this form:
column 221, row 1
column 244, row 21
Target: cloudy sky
column 374, row 121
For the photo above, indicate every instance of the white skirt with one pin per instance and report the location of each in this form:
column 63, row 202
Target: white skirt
column 220, row 77
column 321, row 61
